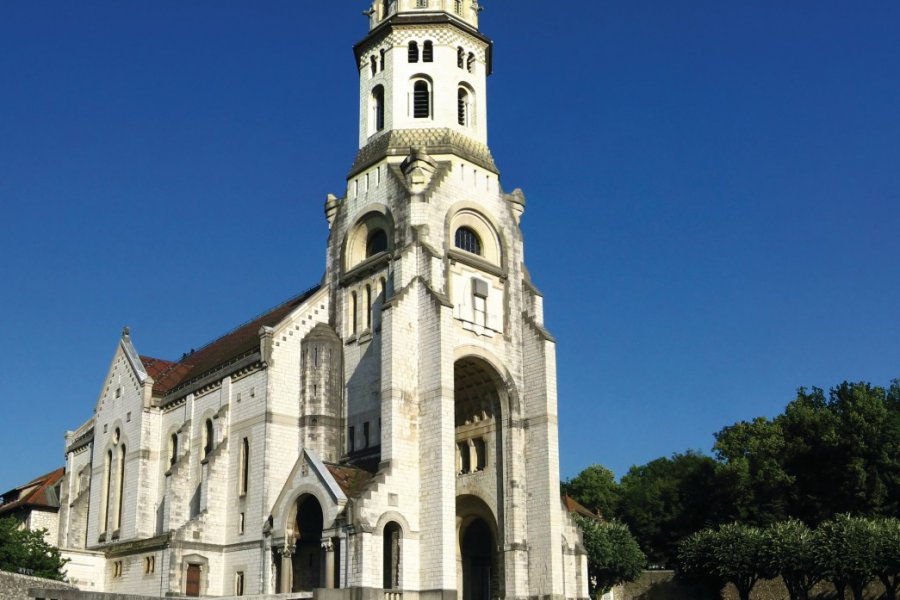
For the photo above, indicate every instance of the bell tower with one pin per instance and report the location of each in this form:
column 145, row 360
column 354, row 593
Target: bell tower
column 423, row 69
column 449, row 376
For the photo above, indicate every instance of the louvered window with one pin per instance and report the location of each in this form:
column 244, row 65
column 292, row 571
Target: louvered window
column 413, row 52
column 428, row 52
column 378, row 108
column 463, row 107
column 421, row 100
column 470, row 64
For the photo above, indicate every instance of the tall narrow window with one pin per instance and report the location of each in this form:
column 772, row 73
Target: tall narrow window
column 480, row 454
column 354, row 312
column 428, row 51
column 391, row 557
column 107, row 490
column 462, row 457
column 373, row 65
column 457, row 6
column 378, row 108
column 385, row 8
column 470, row 63
column 421, row 100
column 351, row 439
column 244, row 480
column 413, row 52
column 368, row 307
column 239, row 583
column 381, row 60
column 463, row 107
column 173, row 450
column 479, row 302
column 208, row 438
column 421, row 3
column 121, row 493
column 366, row 434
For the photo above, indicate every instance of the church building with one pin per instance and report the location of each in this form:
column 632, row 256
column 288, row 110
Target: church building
column 390, row 433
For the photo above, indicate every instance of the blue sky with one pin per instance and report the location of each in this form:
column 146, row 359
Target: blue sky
column 713, row 192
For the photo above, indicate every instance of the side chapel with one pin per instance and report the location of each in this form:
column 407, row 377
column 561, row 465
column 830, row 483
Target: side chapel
column 389, row 432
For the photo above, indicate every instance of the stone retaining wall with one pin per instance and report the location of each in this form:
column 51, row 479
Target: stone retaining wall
column 663, row 585
column 15, row 587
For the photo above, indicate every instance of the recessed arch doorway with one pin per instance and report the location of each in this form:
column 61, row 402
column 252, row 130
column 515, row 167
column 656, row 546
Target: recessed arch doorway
column 480, row 569
column 308, row 558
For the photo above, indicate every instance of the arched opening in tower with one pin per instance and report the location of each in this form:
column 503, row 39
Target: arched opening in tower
column 480, row 569
column 478, row 390
column 308, row 559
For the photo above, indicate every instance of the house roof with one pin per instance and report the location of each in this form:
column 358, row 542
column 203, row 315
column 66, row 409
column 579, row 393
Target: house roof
column 39, row 493
column 352, row 480
column 169, row 375
column 573, row 506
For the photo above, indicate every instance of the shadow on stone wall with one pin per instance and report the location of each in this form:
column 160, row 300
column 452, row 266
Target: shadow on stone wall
column 663, row 585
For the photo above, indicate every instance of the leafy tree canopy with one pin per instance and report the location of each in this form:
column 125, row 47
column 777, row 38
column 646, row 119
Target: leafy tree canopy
column 23, row 551
column 596, row 489
column 614, row 556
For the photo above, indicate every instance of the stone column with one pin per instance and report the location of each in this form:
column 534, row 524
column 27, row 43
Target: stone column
column 328, row 547
column 287, row 571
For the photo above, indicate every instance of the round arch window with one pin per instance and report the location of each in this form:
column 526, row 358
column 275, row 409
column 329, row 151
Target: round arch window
column 377, row 243
column 468, row 240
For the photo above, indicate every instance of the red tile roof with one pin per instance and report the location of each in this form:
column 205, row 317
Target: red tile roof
column 351, row 479
column 573, row 506
column 169, row 375
column 34, row 493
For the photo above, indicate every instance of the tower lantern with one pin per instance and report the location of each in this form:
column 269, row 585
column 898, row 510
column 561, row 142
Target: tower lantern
column 423, row 68
column 464, row 10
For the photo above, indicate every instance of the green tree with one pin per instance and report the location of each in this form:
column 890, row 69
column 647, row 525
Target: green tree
column 667, row 499
column 845, row 553
column 23, row 551
column 695, row 562
column 596, row 489
column 752, row 454
column 614, row 556
column 887, row 555
column 731, row 554
column 788, row 551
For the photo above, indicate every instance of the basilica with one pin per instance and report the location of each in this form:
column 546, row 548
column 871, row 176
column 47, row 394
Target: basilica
column 389, row 432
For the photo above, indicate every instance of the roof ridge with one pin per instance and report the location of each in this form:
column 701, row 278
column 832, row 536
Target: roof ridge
column 293, row 298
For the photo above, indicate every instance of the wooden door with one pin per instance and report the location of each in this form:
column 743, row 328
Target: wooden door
column 192, row 588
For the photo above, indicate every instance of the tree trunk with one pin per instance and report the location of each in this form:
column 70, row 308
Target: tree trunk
column 890, row 586
column 857, row 588
column 839, row 588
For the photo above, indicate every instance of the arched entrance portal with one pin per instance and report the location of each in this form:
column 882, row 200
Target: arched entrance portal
column 480, row 399
column 480, row 568
column 308, row 554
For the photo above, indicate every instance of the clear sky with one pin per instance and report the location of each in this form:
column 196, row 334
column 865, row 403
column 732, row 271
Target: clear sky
column 713, row 196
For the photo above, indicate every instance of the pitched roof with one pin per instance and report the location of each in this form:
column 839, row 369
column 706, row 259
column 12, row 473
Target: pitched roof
column 573, row 506
column 169, row 375
column 38, row 493
column 351, row 479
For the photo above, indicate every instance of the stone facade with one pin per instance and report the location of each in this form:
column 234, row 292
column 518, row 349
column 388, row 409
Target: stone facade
column 392, row 431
